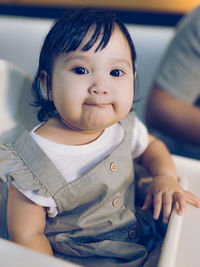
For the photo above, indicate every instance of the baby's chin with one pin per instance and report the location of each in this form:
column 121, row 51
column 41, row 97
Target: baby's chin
column 92, row 121
column 98, row 124
column 82, row 127
column 99, row 120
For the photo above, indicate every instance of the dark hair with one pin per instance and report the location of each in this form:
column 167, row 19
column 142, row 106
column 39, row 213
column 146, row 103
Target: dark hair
column 66, row 35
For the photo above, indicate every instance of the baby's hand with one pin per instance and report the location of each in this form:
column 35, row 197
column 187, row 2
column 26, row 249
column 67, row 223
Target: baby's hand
column 164, row 190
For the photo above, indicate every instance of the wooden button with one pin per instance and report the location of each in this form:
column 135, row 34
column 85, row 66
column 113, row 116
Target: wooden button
column 116, row 202
column 132, row 234
column 113, row 166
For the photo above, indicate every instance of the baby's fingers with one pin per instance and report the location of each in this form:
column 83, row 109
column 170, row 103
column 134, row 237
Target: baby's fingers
column 157, row 205
column 179, row 199
column 191, row 197
column 148, row 201
column 167, row 206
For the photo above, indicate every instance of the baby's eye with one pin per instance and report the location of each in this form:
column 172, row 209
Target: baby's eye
column 80, row 70
column 116, row 73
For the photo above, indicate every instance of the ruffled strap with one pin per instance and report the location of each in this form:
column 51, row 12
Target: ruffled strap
column 8, row 162
column 27, row 165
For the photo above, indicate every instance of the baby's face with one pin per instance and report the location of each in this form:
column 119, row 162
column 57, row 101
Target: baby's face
column 93, row 90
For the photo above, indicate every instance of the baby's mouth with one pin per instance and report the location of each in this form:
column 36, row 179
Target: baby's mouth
column 98, row 105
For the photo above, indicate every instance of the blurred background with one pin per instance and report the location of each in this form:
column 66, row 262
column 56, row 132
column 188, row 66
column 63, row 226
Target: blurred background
column 154, row 12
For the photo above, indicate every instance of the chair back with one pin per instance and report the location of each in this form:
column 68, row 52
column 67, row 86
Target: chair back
column 16, row 116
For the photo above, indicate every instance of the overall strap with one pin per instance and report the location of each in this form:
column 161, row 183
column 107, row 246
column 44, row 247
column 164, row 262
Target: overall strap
column 37, row 161
column 128, row 125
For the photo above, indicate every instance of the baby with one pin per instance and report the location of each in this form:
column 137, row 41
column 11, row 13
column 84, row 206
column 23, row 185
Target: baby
column 72, row 184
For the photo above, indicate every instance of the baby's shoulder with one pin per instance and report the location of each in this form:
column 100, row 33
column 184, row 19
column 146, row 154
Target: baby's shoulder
column 28, row 166
column 14, row 166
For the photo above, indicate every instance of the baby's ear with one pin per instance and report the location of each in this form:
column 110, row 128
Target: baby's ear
column 43, row 81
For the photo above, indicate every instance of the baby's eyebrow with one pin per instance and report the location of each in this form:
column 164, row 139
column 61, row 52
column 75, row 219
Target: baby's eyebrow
column 87, row 58
column 121, row 61
column 69, row 58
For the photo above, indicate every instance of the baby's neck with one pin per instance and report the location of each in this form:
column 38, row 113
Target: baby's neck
column 56, row 132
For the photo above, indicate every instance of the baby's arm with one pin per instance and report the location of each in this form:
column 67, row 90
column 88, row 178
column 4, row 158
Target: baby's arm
column 26, row 222
column 164, row 188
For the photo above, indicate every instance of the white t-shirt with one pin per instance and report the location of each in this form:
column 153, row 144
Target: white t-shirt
column 74, row 161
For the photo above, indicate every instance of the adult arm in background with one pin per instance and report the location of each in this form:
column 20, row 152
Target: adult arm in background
column 173, row 116
column 176, row 86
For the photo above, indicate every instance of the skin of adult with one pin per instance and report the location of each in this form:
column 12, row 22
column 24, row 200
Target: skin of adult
column 173, row 116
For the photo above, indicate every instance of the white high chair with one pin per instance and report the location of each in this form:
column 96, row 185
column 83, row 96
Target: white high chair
column 16, row 115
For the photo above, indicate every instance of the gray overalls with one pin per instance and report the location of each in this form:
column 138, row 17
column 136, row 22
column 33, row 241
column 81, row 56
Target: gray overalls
column 97, row 221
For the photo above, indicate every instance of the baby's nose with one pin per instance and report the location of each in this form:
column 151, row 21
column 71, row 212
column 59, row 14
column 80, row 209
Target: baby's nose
column 98, row 89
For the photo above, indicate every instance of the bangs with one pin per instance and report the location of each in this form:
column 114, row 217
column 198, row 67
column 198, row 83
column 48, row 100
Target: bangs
column 84, row 27
column 100, row 34
column 98, row 31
